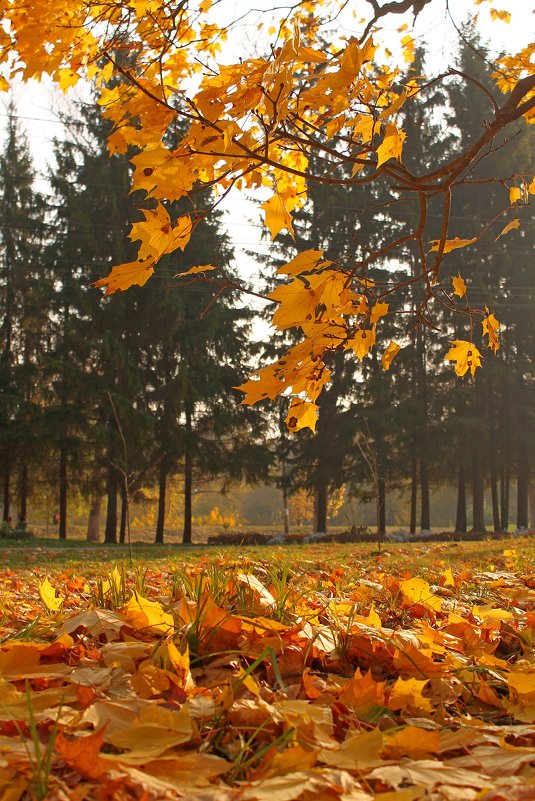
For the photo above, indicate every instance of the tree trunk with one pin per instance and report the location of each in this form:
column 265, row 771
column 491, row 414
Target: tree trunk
column 414, row 489
column 425, row 520
column 531, row 496
column 505, row 484
column 522, row 484
column 93, row 521
column 188, row 478
column 321, row 505
column 381, row 509
column 6, row 493
column 425, row 509
column 478, row 490
column 124, row 512
column 162, row 485
column 110, row 531
column 63, row 492
column 23, row 507
column 460, row 518
column 493, row 454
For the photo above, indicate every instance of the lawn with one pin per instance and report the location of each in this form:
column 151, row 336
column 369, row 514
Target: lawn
column 268, row 674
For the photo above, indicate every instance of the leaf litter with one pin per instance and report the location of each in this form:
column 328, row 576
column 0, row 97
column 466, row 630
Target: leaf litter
column 319, row 673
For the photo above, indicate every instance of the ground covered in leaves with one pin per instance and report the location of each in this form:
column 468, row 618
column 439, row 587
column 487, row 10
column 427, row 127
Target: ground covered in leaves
column 315, row 672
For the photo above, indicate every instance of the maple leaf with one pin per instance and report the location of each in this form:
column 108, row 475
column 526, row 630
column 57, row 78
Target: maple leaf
column 123, row 276
column 459, row 286
column 509, row 227
column 389, row 355
column 203, row 268
column 304, row 262
column 452, row 244
column 378, row 311
column 277, row 215
column 392, row 144
column 491, row 328
column 362, row 342
column 302, row 414
column 48, row 596
column 466, row 356
column 147, row 616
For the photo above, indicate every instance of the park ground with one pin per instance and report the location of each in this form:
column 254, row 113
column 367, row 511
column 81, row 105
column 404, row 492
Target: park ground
column 321, row 671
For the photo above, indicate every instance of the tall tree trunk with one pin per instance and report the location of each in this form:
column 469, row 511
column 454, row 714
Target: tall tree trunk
column 425, row 520
column 188, row 478
column 425, row 508
column 124, row 512
column 63, row 492
column 23, row 506
column 414, row 488
column 381, row 509
column 478, row 490
column 460, row 517
column 110, row 530
column 6, row 489
column 493, row 455
column 93, row 521
column 505, row 485
column 162, row 485
column 531, row 496
column 321, row 505
column 522, row 484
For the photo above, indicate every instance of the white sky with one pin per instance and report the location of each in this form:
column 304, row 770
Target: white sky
column 38, row 104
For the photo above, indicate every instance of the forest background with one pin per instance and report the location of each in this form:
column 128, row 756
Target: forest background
column 131, row 399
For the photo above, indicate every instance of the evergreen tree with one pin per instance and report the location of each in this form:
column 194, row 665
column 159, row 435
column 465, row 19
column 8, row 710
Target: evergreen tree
column 22, row 314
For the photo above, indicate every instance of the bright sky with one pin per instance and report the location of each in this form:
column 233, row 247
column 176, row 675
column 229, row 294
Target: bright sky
column 38, row 104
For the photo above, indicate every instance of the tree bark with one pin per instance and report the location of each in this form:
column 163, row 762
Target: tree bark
column 63, row 492
column 531, row 496
column 93, row 521
column 23, row 506
column 6, row 489
column 460, row 518
column 321, row 505
column 493, row 453
column 425, row 520
column 188, row 479
column 478, row 490
column 505, row 484
column 162, row 485
column 124, row 512
column 414, row 489
column 381, row 508
column 110, row 530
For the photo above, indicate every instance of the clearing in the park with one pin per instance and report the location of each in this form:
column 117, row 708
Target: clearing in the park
column 305, row 672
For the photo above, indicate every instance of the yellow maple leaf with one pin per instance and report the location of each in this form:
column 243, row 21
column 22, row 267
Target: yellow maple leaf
column 392, row 144
column 302, row 414
column 531, row 187
column 459, row 287
column 48, row 596
column 362, row 342
column 407, row 694
column 378, row 311
column 515, row 194
column 504, row 16
column 465, row 354
column 147, row 616
column 418, row 591
column 447, row 575
column 123, row 276
column 509, row 227
column 389, row 355
column 491, row 328
column 277, row 215
column 302, row 263
column 66, row 78
column 202, row 268
column 452, row 244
